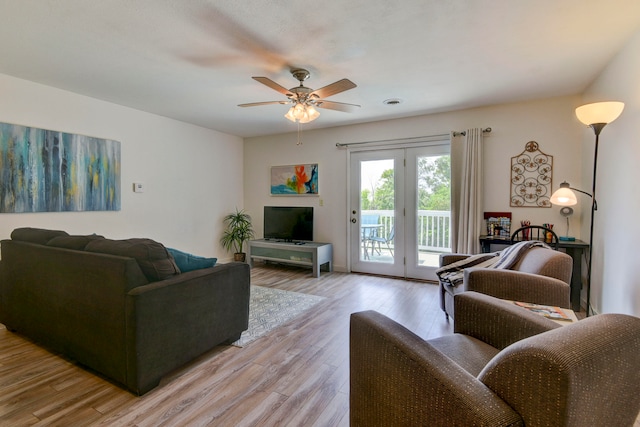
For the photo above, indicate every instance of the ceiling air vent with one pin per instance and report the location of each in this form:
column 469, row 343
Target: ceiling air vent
column 392, row 101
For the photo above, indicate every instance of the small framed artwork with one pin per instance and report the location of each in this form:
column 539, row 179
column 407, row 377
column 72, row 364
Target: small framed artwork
column 294, row 180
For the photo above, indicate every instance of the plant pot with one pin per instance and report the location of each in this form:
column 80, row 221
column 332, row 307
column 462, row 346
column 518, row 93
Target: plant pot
column 240, row 257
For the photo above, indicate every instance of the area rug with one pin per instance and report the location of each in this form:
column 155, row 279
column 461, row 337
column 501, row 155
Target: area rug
column 270, row 308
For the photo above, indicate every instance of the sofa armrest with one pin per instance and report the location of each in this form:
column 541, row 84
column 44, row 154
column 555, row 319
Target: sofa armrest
column 399, row 379
column 518, row 286
column 496, row 322
column 173, row 321
column 446, row 259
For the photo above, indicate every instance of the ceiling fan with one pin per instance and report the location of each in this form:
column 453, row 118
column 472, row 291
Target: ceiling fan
column 305, row 99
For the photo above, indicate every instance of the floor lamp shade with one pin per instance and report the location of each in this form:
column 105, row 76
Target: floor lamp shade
column 599, row 112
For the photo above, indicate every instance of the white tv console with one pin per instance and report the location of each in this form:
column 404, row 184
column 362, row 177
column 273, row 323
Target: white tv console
column 310, row 254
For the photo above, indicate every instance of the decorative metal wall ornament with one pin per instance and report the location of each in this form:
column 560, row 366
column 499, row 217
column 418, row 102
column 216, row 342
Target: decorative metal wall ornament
column 531, row 177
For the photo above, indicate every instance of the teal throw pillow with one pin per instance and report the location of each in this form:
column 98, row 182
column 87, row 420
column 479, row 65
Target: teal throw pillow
column 187, row 262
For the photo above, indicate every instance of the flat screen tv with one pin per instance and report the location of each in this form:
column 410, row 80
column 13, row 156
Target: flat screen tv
column 288, row 223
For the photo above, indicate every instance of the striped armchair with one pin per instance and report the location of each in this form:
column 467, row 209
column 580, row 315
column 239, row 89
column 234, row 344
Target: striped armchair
column 503, row 366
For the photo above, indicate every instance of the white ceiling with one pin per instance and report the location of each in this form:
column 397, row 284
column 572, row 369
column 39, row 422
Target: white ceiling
column 193, row 60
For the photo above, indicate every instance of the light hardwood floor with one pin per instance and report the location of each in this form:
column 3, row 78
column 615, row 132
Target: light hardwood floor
column 298, row 375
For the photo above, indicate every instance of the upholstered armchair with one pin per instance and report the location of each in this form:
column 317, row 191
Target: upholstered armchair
column 541, row 276
column 503, row 366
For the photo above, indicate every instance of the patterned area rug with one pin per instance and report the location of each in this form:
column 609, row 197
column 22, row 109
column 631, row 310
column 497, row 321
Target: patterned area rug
column 270, row 308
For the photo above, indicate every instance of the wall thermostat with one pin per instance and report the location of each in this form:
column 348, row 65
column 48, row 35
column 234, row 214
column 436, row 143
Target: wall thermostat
column 138, row 187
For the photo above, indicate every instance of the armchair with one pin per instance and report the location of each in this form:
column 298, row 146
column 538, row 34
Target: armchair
column 503, row 366
column 541, row 276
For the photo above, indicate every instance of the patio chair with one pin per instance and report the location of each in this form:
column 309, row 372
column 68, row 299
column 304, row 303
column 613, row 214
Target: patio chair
column 386, row 240
column 369, row 225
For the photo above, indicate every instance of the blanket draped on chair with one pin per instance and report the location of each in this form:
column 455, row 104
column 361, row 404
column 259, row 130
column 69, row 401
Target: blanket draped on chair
column 453, row 274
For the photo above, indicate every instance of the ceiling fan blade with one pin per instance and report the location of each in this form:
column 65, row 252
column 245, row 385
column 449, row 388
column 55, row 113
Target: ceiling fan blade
column 334, row 88
column 255, row 104
column 248, row 45
column 338, row 106
column 273, row 85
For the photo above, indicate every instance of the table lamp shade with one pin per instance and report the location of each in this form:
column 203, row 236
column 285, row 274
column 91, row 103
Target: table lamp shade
column 564, row 197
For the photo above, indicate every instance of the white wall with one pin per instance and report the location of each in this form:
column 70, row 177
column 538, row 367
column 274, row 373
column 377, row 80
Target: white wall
column 615, row 278
column 193, row 176
column 550, row 122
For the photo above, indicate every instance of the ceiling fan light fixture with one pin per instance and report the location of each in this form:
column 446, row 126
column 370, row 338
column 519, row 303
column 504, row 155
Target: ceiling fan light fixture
column 299, row 111
column 313, row 113
column 302, row 113
column 290, row 116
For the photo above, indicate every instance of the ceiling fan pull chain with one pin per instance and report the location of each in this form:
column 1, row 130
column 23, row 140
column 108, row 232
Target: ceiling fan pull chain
column 299, row 142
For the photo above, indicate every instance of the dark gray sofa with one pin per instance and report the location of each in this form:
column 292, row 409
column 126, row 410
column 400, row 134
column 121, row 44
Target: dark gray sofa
column 102, row 311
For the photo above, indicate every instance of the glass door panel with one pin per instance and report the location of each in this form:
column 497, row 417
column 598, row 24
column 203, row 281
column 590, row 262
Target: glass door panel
column 374, row 200
column 429, row 195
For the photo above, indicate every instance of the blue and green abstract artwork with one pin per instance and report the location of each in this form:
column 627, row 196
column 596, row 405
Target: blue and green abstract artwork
column 50, row 171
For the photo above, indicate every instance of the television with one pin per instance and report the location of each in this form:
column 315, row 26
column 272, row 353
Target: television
column 288, row 223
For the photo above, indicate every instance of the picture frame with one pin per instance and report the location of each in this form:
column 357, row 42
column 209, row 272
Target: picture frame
column 294, row 180
column 45, row 170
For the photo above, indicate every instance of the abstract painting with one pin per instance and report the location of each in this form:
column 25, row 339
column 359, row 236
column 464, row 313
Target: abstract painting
column 294, row 180
column 50, row 171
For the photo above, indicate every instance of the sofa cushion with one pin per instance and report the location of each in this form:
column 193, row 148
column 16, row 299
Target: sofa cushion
column 73, row 242
column 188, row 262
column 36, row 235
column 153, row 258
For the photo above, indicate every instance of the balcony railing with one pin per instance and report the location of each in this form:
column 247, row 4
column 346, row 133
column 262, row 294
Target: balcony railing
column 434, row 228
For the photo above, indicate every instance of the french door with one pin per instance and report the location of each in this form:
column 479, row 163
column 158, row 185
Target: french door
column 399, row 210
column 377, row 212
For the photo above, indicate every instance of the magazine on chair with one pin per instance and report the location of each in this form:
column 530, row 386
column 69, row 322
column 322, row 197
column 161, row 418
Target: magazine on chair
column 551, row 312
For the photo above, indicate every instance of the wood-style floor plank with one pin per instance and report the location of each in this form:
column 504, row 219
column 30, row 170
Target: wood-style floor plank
column 297, row 375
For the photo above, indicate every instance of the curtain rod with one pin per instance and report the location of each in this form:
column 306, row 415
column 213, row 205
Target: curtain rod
column 464, row 132
column 407, row 140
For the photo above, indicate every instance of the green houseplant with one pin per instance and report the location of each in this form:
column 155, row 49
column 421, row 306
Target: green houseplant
column 238, row 230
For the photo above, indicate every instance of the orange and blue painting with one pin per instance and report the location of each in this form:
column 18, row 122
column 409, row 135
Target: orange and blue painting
column 294, row 180
column 50, row 171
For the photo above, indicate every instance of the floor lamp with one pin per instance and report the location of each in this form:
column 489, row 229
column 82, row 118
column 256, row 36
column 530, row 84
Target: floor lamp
column 596, row 116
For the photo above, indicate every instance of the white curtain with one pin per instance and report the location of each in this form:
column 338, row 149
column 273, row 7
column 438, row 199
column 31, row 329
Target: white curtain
column 468, row 194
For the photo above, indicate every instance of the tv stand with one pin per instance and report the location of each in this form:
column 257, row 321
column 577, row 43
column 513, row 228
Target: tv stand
column 309, row 254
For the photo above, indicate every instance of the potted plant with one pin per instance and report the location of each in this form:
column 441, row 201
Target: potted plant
column 238, row 231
